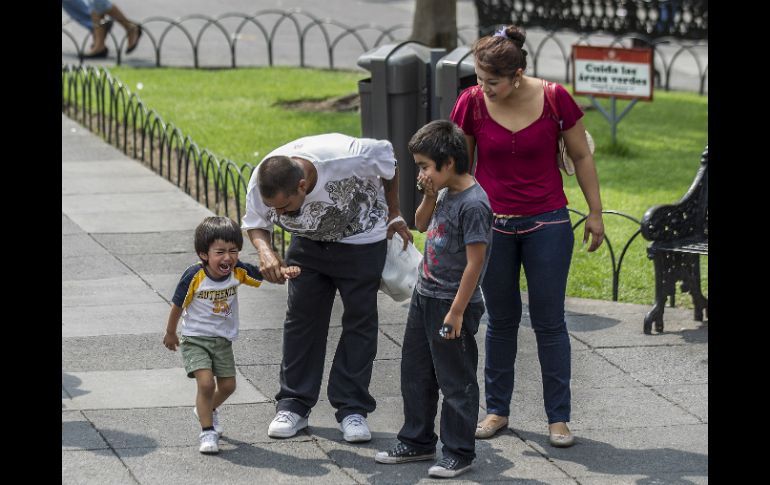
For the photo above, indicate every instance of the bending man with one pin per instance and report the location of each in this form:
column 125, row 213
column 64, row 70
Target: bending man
column 338, row 197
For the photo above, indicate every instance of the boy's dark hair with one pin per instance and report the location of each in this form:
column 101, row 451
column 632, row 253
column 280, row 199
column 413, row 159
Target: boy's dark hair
column 439, row 140
column 216, row 227
column 279, row 174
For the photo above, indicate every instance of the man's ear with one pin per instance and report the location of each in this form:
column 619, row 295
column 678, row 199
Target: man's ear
column 302, row 186
column 450, row 163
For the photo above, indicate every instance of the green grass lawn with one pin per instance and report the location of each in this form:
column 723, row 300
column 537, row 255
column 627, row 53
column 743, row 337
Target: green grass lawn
column 234, row 114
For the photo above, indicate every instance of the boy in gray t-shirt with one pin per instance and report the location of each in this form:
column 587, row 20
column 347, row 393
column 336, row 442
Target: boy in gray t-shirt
column 439, row 350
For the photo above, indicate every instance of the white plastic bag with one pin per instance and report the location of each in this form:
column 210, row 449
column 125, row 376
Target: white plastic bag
column 400, row 273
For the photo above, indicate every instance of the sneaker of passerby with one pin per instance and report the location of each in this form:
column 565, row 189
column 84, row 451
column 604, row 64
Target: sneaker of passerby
column 450, row 467
column 209, row 442
column 286, row 424
column 215, row 418
column 403, row 453
column 355, row 429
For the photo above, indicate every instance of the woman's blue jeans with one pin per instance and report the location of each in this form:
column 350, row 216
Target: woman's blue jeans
column 542, row 244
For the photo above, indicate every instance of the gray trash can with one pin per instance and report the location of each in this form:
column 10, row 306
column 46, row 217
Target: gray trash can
column 454, row 72
column 395, row 102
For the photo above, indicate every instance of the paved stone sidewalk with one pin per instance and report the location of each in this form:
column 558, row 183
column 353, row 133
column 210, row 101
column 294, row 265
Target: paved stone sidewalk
column 639, row 402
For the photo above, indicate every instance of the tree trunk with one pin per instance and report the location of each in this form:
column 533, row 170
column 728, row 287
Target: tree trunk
column 435, row 23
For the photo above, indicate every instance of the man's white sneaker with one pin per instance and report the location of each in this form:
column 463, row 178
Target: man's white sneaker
column 286, row 424
column 217, row 427
column 209, row 442
column 354, row 429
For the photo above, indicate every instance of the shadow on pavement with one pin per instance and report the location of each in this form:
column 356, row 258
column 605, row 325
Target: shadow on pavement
column 602, row 458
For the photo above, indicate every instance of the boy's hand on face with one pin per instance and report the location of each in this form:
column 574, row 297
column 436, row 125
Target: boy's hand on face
column 427, row 186
column 456, row 324
column 290, row 272
column 171, row 341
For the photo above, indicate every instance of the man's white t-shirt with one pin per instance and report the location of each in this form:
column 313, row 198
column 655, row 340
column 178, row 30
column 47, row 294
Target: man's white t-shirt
column 347, row 203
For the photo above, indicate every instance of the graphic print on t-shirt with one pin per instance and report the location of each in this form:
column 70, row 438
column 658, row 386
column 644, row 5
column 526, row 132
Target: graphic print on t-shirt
column 221, row 307
column 355, row 209
column 435, row 244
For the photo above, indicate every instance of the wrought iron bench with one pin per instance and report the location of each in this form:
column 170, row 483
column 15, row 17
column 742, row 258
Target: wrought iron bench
column 679, row 235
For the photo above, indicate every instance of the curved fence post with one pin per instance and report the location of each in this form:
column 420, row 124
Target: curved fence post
column 616, row 264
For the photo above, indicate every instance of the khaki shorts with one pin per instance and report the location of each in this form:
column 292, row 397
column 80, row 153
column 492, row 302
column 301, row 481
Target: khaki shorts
column 215, row 353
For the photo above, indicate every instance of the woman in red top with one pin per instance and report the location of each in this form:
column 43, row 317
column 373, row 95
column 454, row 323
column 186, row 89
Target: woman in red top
column 516, row 132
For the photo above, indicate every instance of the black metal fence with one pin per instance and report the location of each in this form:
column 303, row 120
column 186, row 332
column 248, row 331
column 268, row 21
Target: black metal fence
column 682, row 19
column 107, row 107
column 313, row 42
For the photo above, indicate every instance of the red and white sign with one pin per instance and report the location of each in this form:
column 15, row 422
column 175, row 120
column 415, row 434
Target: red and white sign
column 612, row 71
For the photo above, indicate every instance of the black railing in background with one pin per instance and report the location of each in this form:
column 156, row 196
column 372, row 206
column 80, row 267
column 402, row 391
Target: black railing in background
column 230, row 28
column 616, row 264
column 107, row 107
column 681, row 19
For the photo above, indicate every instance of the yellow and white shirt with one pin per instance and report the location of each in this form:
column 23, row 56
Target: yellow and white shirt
column 210, row 307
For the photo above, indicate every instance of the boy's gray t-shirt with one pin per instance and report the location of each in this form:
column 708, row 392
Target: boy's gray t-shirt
column 458, row 219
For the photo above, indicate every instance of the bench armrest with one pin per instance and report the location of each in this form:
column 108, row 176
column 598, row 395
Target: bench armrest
column 669, row 222
column 687, row 219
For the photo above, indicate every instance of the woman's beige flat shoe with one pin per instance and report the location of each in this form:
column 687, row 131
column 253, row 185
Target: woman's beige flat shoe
column 561, row 440
column 490, row 425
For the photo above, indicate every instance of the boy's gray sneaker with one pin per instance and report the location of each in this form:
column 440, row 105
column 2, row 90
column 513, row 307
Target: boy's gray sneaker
column 209, row 442
column 355, row 429
column 403, row 453
column 449, row 467
column 215, row 419
column 286, row 424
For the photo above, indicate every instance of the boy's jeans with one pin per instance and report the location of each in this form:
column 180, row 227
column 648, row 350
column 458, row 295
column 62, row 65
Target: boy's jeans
column 543, row 245
column 429, row 363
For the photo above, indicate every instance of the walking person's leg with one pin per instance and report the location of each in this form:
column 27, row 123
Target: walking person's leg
column 310, row 300
column 419, row 387
column 79, row 11
column 100, row 8
column 133, row 30
column 455, row 362
column 419, row 390
column 503, row 303
column 203, row 402
column 97, row 9
column 546, row 257
column 358, row 270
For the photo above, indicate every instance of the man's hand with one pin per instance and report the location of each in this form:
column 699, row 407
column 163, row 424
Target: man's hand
column 270, row 265
column 396, row 223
